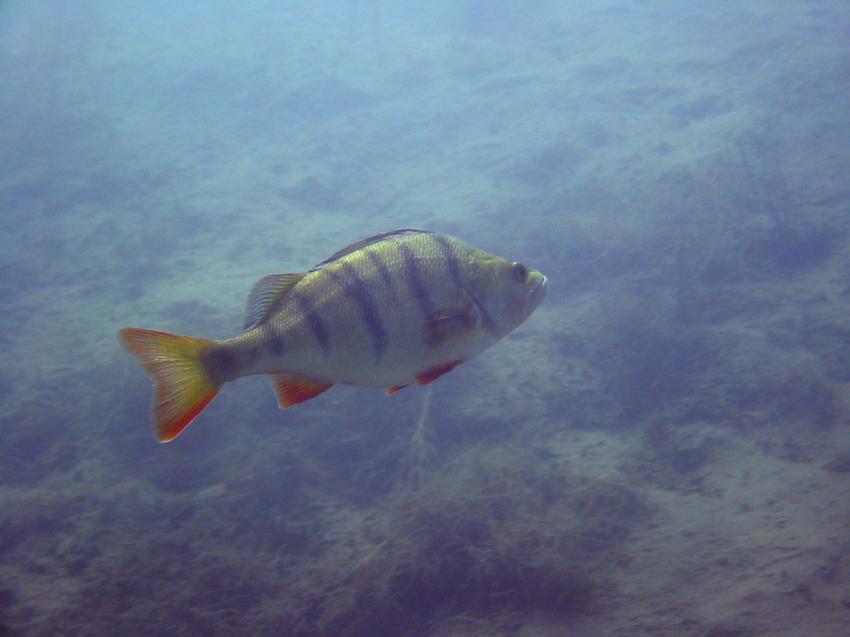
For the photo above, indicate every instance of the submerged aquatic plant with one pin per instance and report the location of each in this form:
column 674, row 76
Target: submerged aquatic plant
column 496, row 531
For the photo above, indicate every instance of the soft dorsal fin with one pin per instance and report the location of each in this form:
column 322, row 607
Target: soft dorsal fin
column 357, row 245
column 265, row 296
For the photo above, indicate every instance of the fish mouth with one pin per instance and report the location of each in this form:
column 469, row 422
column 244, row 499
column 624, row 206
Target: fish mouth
column 541, row 286
column 536, row 294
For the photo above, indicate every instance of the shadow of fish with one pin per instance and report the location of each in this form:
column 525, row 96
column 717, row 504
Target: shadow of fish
column 395, row 309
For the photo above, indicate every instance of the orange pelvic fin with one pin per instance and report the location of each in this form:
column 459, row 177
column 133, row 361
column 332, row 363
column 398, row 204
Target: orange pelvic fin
column 182, row 386
column 393, row 390
column 430, row 375
column 292, row 390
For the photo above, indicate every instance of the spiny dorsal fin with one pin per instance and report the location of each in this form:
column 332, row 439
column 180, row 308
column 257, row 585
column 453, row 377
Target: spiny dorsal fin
column 264, row 299
column 357, row 245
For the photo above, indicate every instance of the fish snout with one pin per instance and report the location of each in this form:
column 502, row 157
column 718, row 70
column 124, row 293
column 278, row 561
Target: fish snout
column 539, row 291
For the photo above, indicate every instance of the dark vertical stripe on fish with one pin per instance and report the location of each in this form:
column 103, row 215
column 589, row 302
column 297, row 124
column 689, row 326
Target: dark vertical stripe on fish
column 274, row 340
column 451, row 258
column 455, row 272
column 414, row 279
column 317, row 325
column 360, row 293
column 382, row 269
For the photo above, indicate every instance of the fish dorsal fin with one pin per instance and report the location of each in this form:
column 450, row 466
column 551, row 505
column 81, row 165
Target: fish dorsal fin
column 264, row 299
column 292, row 390
column 358, row 245
column 447, row 323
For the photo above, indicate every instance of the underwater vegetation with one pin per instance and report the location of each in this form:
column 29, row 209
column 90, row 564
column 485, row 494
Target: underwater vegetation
column 675, row 315
column 468, row 540
column 478, row 537
column 497, row 531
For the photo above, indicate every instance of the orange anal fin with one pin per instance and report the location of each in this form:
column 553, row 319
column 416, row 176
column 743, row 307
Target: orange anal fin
column 394, row 390
column 292, row 390
column 430, row 375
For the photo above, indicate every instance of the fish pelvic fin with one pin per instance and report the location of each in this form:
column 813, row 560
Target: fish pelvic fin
column 182, row 385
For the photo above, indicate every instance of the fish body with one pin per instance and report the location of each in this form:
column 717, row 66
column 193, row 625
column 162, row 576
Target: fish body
column 398, row 308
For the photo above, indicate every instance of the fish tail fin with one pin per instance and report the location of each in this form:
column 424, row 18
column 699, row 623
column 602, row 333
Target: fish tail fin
column 183, row 386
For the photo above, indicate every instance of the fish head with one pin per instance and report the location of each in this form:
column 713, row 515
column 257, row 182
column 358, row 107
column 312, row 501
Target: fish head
column 509, row 292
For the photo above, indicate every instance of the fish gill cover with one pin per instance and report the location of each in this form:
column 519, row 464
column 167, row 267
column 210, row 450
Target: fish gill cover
column 662, row 448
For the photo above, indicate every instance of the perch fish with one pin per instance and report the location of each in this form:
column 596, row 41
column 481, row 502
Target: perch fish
column 395, row 309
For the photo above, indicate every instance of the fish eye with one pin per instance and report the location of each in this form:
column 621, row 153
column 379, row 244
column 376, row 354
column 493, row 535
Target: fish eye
column 520, row 272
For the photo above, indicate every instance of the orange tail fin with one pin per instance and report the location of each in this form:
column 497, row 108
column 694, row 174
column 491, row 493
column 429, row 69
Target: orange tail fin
column 182, row 386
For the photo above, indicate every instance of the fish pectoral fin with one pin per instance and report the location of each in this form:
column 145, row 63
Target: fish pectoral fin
column 430, row 375
column 264, row 299
column 292, row 390
column 394, row 390
column 447, row 323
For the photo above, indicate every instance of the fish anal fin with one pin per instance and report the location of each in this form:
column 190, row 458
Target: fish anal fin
column 264, row 299
column 446, row 324
column 292, row 390
column 394, row 390
column 430, row 375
